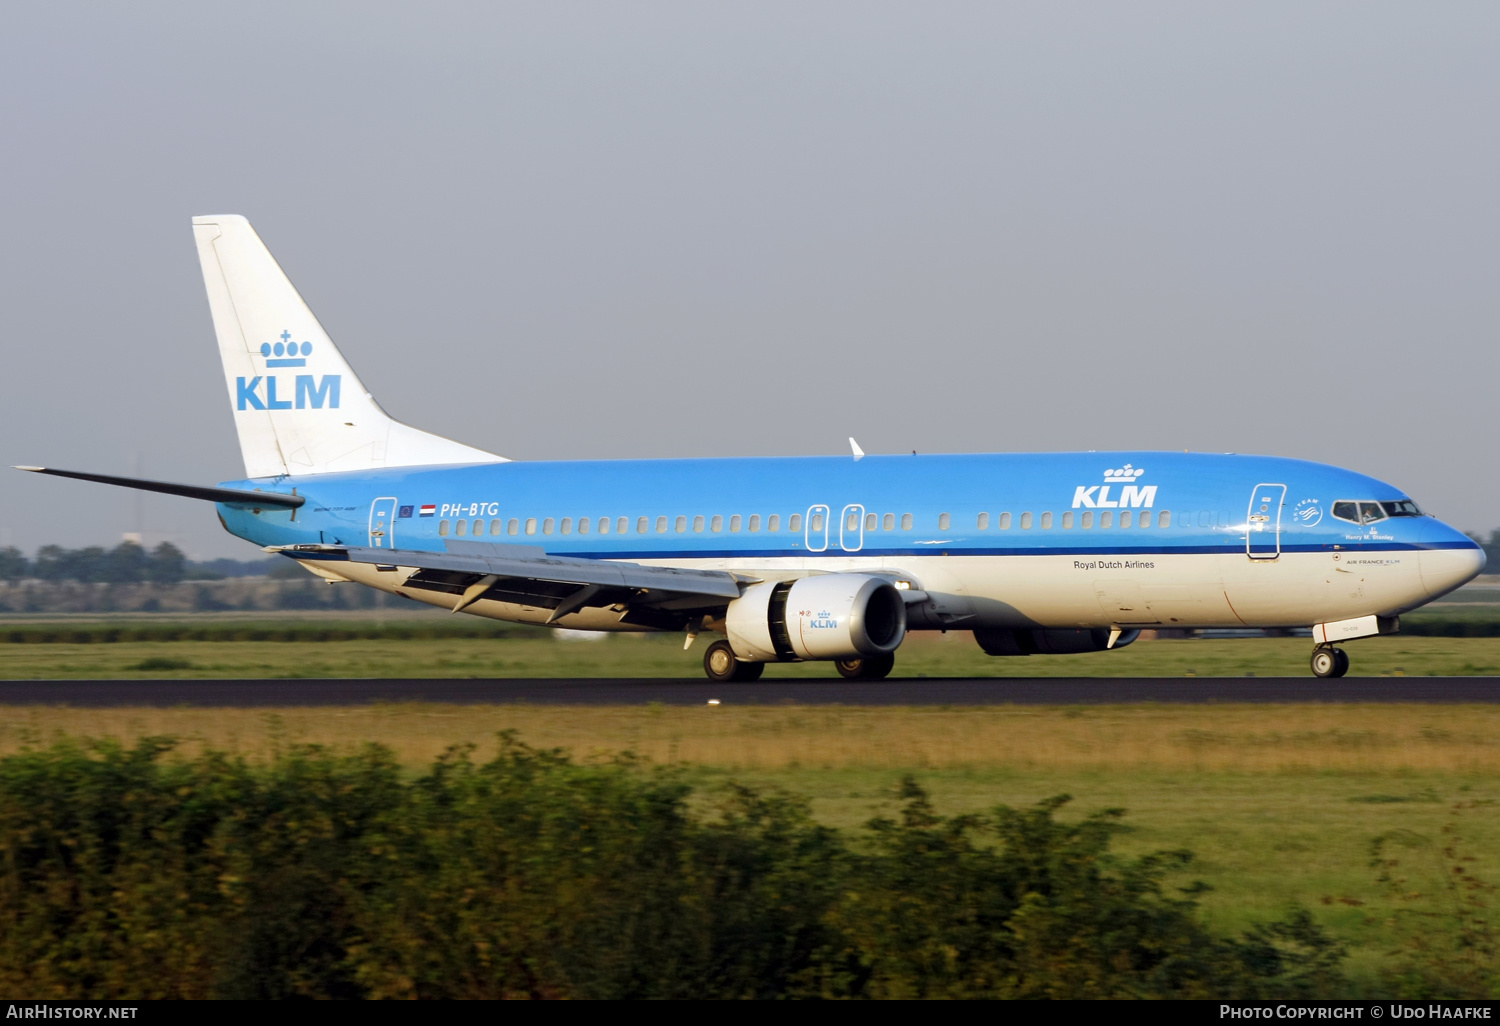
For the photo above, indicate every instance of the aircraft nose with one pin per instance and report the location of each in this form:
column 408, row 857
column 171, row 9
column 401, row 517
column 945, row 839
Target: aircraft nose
column 1448, row 558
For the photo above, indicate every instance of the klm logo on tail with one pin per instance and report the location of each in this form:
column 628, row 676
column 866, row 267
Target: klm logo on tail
column 308, row 392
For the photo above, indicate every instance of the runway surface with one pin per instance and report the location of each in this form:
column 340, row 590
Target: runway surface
column 929, row 691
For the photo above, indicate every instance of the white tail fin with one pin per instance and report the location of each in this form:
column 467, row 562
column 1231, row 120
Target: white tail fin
column 298, row 407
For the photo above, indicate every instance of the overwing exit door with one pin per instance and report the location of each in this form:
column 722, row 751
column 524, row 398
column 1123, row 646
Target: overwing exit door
column 383, row 523
column 815, row 531
column 852, row 528
column 1263, row 521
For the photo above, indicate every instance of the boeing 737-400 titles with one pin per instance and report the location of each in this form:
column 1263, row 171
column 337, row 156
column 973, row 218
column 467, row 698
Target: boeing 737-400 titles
column 814, row 558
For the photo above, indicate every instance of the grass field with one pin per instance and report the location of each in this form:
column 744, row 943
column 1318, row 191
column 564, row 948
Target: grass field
column 538, row 654
column 1280, row 803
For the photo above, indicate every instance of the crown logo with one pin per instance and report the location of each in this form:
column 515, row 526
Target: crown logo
column 1125, row 475
column 285, row 353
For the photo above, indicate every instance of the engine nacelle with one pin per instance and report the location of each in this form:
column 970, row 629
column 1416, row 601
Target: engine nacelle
column 831, row 616
column 1048, row 640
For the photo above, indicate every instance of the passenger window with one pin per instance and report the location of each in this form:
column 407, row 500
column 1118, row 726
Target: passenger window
column 1143, row 519
column 1087, row 520
column 754, row 523
column 604, row 525
column 443, row 528
column 851, row 522
column 681, row 525
column 1005, row 521
column 1369, row 512
column 1067, row 521
column 623, row 524
column 548, row 525
column 734, row 524
column 872, row 522
column 1025, row 521
column 531, row 525
column 794, row 523
column 943, row 521
column 906, row 521
column 1106, row 519
column 1046, row 521
column 1125, row 518
column 1205, row 518
column 889, row 521
column 773, row 523
column 816, row 525
column 567, row 525
column 698, row 525
column 461, row 528
column 1164, row 518
column 984, row 521
column 514, row 527
column 497, row 527
column 479, row 527
column 716, row 525
column 1223, row 518
column 661, row 525
column 584, row 523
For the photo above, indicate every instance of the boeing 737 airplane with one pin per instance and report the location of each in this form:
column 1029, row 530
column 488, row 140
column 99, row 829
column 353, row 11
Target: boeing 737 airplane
column 815, row 558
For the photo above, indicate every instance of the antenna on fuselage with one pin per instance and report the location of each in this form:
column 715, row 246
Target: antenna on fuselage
column 859, row 453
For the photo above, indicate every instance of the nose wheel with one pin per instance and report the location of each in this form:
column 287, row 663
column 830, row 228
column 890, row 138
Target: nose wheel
column 1329, row 662
column 721, row 664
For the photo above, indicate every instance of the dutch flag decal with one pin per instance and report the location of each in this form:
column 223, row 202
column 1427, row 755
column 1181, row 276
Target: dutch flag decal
column 429, row 510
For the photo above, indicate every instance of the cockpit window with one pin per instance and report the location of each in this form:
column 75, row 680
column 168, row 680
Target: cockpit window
column 1369, row 512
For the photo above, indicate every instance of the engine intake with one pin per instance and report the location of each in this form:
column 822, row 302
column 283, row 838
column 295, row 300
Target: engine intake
column 831, row 616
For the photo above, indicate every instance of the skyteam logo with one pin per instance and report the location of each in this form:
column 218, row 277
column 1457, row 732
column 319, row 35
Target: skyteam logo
column 260, row 392
column 1132, row 495
column 1307, row 512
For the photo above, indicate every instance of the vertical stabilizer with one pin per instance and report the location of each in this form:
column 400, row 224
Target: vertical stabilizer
column 298, row 406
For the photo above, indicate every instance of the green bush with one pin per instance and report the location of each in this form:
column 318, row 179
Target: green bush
column 129, row 874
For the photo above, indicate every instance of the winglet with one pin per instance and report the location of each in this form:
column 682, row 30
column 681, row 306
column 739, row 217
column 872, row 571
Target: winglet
column 859, row 453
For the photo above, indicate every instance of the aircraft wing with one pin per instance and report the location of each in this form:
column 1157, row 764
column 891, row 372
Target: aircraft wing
column 651, row 596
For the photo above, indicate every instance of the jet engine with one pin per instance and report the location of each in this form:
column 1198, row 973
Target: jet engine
column 831, row 616
column 1048, row 641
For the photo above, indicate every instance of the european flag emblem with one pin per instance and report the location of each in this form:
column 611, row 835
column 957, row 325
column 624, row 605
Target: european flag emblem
column 405, row 513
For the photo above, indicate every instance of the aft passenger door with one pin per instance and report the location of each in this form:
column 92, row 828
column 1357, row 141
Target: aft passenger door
column 1263, row 521
column 383, row 523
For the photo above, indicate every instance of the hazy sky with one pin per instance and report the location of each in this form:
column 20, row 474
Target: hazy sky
column 608, row 230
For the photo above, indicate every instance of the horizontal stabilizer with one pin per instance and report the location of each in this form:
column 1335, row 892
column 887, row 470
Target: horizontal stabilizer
column 228, row 496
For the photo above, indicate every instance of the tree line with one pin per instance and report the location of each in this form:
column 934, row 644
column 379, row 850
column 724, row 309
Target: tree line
column 126, row 563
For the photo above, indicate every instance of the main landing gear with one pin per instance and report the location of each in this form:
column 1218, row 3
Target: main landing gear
column 721, row 664
column 1328, row 661
column 866, row 668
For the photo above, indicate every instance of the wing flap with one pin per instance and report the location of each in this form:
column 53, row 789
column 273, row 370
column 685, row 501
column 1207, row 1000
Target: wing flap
column 529, row 574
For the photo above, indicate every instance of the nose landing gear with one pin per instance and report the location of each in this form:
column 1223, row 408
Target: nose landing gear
column 1328, row 661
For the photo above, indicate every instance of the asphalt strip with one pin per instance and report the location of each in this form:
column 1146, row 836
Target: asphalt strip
column 634, row 691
